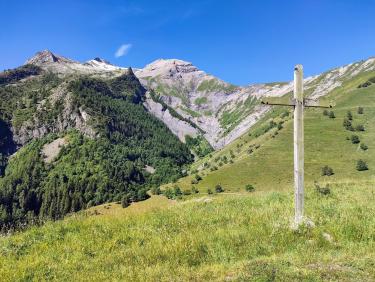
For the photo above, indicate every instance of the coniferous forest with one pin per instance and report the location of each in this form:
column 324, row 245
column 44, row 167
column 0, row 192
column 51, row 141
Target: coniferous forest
column 89, row 170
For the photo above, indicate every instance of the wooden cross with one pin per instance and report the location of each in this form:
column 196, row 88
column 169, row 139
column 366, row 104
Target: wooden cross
column 299, row 103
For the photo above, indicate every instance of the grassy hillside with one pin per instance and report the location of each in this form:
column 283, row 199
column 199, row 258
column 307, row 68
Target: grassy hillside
column 243, row 237
column 264, row 156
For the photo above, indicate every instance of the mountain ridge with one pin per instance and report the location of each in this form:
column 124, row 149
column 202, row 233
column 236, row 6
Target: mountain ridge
column 222, row 110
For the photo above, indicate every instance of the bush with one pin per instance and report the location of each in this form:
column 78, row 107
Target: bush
column 363, row 147
column 177, row 191
column 218, row 188
column 331, row 114
column 326, row 170
column 156, row 190
column 360, row 127
column 349, row 115
column 194, row 190
column 198, row 177
column 348, row 124
column 194, row 181
column 125, row 201
column 169, row 193
column 322, row 190
column 361, row 165
column 355, row 139
column 249, row 188
column 325, row 113
column 209, row 191
column 360, row 110
column 187, row 192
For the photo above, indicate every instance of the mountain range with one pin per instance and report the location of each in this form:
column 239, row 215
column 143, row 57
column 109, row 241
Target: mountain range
column 75, row 135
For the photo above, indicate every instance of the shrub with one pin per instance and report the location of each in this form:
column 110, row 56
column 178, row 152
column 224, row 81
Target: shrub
column 349, row 115
column 360, row 127
column 322, row 190
column 194, row 181
column 187, row 192
column 125, row 201
column 177, row 191
column 360, row 110
column 155, row 190
column 198, row 177
column 361, row 165
column 348, row 124
column 325, row 113
column 194, row 190
column 355, row 139
column 249, row 188
column 326, row 170
column 363, row 147
column 218, row 188
column 169, row 193
column 209, row 191
column 331, row 114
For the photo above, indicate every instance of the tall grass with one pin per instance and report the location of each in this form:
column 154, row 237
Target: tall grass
column 228, row 237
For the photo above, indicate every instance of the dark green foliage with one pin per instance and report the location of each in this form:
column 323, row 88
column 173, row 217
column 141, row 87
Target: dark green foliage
column 322, row 190
column 363, row 147
column 177, row 191
column 156, row 190
column 194, row 190
column 367, row 83
column 11, row 76
column 331, row 114
column 209, row 191
column 186, row 192
column 285, row 114
column 327, row 171
column 125, row 201
column 361, row 165
column 127, row 86
column 360, row 127
column 349, row 115
column 199, row 145
column 355, row 139
column 219, row 188
column 198, row 177
column 348, row 125
column 325, row 113
column 169, row 193
column 87, row 171
column 360, row 110
column 249, row 188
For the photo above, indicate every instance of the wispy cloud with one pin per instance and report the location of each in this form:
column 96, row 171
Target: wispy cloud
column 123, row 50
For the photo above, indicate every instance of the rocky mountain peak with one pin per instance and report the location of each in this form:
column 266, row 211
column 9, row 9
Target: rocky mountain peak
column 168, row 68
column 46, row 57
column 100, row 60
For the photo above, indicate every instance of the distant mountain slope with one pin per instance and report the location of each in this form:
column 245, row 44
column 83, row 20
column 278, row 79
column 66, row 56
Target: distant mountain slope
column 263, row 157
column 225, row 111
column 110, row 141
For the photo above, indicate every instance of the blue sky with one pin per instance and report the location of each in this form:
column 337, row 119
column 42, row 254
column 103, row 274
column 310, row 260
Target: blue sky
column 241, row 42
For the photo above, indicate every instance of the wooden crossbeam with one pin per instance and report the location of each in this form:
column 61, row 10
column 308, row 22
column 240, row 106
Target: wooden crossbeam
column 305, row 104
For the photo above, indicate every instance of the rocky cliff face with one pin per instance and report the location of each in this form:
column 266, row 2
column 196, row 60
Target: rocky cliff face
column 220, row 111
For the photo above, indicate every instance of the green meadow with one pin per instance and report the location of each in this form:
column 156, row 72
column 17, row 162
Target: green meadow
column 240, row 237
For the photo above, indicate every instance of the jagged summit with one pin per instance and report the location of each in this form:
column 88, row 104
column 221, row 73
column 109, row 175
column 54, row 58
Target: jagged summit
column 59, row 64
column 46, row 57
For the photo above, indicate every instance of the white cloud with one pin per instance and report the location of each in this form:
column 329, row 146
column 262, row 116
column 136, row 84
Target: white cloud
column 123, row 50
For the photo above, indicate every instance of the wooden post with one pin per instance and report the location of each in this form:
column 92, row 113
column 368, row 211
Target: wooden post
column 298, row 145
